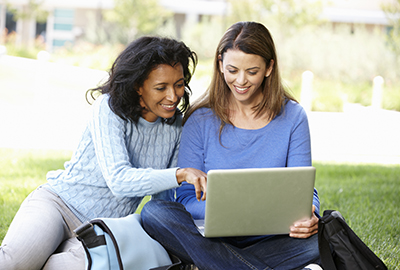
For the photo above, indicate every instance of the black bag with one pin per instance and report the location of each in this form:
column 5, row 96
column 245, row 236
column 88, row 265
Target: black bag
column 340, row 248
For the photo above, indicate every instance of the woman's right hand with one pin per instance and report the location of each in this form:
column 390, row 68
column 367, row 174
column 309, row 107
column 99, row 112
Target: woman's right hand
column 195, row 177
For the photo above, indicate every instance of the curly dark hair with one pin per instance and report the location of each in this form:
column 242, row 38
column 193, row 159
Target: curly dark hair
column 133, row 66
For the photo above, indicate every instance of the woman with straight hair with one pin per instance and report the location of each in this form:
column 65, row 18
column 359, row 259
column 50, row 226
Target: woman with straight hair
column 128, row 150
column 245, row 119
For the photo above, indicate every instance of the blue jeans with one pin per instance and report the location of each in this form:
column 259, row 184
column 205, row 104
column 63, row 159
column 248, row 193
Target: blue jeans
column 171, row 225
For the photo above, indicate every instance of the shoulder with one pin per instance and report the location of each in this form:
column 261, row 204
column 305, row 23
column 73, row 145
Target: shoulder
column 293, row 111
column 202, row 112
column 101, row 104
column 201, row 115
column 102, row 112
column 200, row 123
column 293, row 107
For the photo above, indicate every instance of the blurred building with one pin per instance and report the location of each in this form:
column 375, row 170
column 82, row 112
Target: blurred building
column 354, row 12
column 67, row 20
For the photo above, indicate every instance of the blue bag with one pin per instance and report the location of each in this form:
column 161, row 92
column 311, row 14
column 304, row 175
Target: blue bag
column 121, row 243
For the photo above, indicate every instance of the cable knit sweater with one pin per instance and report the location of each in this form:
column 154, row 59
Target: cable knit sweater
column 117, row 163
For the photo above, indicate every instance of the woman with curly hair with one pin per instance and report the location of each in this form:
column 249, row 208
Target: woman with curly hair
column 128, row 151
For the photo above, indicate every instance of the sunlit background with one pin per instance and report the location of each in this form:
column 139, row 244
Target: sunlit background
column 339, row 58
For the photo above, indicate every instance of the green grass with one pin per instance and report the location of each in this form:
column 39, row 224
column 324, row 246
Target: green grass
column 368, row 198
column 21, row 171
column 366, row 194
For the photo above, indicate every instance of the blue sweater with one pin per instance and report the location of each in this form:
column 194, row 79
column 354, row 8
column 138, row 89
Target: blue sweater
column 284, row 142
column 116, row 164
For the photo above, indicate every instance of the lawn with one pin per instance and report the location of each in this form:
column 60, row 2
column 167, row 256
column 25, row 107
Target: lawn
column 367, row 195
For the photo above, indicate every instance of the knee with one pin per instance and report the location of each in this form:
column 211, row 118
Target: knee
column 156, row 212
column 8, row 261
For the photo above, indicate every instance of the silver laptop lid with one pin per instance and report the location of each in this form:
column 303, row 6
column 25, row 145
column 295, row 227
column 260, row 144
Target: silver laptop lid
column 243, row 202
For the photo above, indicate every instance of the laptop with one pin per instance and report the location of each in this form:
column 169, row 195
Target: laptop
column 263, row 201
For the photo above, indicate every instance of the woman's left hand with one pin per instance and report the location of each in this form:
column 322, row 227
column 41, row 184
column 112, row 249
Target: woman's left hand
column 305, row 228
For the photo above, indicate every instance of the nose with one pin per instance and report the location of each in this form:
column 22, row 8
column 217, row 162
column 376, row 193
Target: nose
column 241, row 78
column 171, row 94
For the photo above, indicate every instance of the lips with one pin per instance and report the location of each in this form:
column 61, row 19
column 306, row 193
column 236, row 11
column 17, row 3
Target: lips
column 169, row 107
column 242, row 90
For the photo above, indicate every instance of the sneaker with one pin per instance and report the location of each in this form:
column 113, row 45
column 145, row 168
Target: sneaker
column 312, row 267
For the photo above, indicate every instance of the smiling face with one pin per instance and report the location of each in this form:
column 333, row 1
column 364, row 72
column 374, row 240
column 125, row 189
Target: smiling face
column 244, row 74
column 162, row 91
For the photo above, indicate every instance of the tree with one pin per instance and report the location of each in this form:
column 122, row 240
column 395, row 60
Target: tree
column 29, row 13
column 287, row 14
column 131, row 18
column 392, row 12
column 33, row 10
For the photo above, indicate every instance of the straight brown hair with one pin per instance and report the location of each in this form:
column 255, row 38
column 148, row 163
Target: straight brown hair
column 250, row 38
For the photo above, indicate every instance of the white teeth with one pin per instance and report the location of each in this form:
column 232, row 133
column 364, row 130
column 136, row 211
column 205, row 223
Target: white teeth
column 241, row 89
column 169, row 106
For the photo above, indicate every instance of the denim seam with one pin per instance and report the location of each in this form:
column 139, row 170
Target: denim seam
column 239, row 257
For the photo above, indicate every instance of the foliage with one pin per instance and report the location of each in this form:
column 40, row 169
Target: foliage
column 344, row 62
column 287, row 15
column 392, row 12
column 366, row 194
column 33, row 10
column 203, row 37
column 344, row 65
column 21, row 51
column 132, row 18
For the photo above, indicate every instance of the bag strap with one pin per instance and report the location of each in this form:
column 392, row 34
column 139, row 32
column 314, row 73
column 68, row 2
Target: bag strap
column 107, row 230
column 86, row 234
column 323, row 244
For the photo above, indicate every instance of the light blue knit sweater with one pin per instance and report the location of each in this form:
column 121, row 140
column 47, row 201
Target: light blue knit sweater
column 116, row 164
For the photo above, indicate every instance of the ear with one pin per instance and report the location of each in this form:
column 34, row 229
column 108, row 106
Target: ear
column 140, row 91
column 221, row 68
column 270, row 68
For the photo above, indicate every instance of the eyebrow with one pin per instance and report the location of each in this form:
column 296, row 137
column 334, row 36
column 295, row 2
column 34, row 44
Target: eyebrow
column 246, row 69
column 164, row 83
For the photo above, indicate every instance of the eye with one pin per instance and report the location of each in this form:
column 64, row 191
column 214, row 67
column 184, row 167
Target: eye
column 161, row 88
column 232, row 71
column 252, row 72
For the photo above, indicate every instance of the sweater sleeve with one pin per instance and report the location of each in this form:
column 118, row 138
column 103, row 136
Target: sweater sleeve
column 299, row 153
column 108, row 133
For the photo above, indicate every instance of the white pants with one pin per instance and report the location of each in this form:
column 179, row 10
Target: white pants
column 41, row 236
